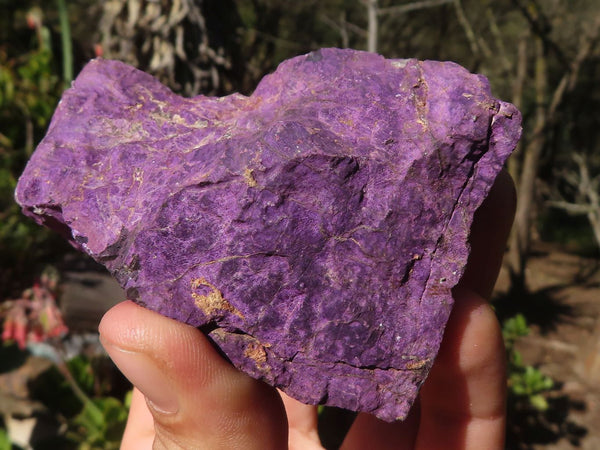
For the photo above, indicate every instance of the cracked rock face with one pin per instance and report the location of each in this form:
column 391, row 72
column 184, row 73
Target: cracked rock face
column 313, row 230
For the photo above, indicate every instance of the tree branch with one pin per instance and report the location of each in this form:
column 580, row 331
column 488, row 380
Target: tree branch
column 575, row 209
column 414, row 6
column 477, row 45
column 539, row 26
column 372, row 15
column 349, row 25
column 569, row 79
column 342, row 27
column 587, row 199
column 497, row 35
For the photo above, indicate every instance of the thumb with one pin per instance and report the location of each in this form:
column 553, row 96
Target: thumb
column 196, row 399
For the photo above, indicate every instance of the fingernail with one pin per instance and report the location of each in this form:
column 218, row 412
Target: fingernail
column 146, row 376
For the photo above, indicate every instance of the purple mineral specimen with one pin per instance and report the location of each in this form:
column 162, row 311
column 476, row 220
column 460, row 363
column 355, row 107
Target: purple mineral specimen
column 314, row 230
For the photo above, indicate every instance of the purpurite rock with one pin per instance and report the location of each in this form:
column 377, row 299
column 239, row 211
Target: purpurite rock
column 314, row 230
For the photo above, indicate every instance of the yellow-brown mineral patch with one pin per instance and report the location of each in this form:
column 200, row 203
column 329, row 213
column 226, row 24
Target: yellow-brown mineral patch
column 416, row 365
column 213, row 302
column 256, row 352
column 249, row 178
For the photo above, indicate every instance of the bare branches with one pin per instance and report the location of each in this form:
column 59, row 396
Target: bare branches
column 569, row 79
column 499, row 41
column 373, row 25
column 585, row 193
column 343, row 27
column 547, row 107
column 540, row 26
column 374, row 12
column 478, row 45
column 570, row 208
column 414, row 6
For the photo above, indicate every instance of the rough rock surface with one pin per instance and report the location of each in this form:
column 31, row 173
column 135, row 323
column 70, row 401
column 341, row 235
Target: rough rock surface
column 314, row 230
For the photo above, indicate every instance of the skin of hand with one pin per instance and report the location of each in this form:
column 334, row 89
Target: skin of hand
column 187, row 396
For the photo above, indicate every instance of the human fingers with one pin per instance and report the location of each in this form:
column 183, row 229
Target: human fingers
column 139, row 432
column 464, row 398
column 196, row 399
column 368, row 431
column 302, row 424
column 463, row 401
column 488, row 237
column 489, row 233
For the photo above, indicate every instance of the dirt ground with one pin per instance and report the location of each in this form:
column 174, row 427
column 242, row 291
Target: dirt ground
column 563, row 311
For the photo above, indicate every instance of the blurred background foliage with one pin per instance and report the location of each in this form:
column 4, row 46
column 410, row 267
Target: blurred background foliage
column 527, row 49
column 542, row 55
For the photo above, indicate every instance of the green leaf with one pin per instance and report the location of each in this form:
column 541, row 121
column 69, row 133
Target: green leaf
column 515, row 327
column 100, row 424
column 91, row 417
column 81, row 369
column 538, row 402
column 127, row 400
column 5, row 443
column 517, row 359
